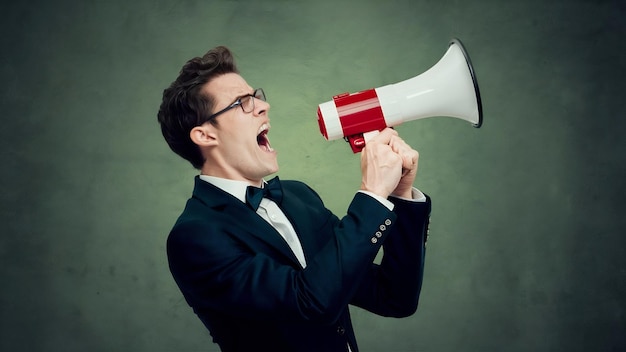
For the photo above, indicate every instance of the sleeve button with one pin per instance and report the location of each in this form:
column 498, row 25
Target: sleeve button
column 341, row 330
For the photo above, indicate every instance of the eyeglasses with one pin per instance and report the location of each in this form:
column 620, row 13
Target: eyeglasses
column 246, row 102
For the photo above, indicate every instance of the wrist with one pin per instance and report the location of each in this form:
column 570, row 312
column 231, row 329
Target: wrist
column 406, row 195
column 403, row 193
column 381, row 193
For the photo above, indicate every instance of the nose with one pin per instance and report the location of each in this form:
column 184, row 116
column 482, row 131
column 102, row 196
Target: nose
column 260, row 107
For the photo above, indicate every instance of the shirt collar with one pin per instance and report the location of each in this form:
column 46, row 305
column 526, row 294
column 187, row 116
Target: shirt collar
column 234, row 187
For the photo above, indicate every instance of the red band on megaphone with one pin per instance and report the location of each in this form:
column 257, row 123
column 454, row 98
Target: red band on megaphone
column 359, row 112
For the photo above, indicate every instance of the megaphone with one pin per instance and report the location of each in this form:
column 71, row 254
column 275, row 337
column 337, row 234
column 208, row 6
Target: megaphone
column 447, row 89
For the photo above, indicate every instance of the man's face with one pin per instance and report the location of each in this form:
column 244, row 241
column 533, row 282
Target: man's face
column 242, row 150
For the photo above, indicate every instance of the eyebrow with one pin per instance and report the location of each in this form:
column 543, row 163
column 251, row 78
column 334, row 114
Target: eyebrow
column 243, row 95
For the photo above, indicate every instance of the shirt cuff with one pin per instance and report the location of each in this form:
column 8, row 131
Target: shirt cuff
column 382, row 200
column 417, row 196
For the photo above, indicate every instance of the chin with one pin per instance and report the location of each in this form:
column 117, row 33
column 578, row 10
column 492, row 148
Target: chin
column 273, row 169
column 268, row 161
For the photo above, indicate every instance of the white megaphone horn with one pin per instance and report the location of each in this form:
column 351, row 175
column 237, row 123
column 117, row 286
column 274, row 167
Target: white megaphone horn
column 447, row 89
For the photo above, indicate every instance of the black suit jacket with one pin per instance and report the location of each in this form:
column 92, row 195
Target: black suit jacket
column 244, row 283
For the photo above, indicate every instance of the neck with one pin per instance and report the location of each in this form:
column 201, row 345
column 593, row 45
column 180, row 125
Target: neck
column 217, row 172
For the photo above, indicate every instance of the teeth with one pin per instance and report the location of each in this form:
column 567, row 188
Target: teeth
column 262, row 133
column 264, row 127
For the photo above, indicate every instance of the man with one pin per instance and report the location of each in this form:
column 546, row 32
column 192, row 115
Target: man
column 280, row 277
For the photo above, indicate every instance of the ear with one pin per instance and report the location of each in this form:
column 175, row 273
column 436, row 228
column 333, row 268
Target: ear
column 204, row 136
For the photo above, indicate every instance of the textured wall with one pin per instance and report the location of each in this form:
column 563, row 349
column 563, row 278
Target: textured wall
column 527, row 249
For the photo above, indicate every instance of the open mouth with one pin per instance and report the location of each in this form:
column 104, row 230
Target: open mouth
column 262, row 140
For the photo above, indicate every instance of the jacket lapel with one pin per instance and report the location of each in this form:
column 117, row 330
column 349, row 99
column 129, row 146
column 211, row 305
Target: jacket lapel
column 238, row 215
column 297, row 207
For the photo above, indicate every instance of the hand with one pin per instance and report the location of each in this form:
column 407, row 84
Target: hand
column 381, row 165
column 410, row 158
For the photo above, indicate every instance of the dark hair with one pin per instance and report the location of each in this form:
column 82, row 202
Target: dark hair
column 185, row 107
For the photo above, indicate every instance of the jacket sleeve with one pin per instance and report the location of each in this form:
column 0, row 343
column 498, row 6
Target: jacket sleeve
column 393, row 287
column 218, row 269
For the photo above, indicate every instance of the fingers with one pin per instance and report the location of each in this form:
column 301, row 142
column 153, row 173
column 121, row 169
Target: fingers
column 388, row 164
column 410, row 159
column 380, row 165
column 409, row 155
column 384, row 136
column 390, row 137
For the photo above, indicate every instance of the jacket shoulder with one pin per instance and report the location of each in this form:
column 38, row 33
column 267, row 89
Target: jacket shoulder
column 299, row 188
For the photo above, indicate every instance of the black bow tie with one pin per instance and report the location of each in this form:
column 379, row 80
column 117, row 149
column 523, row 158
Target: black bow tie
column 272, row 190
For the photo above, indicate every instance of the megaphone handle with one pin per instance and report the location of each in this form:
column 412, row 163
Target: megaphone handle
column 358, row 141
column 369, row 135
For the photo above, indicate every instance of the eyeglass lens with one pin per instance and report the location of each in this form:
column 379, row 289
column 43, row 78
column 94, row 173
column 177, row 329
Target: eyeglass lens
column 247, row 102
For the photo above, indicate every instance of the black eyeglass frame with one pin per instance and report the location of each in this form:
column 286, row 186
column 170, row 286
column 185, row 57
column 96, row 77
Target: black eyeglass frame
column 257, row 94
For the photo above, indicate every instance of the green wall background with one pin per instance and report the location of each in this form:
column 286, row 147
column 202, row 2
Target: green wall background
column 527, row 249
